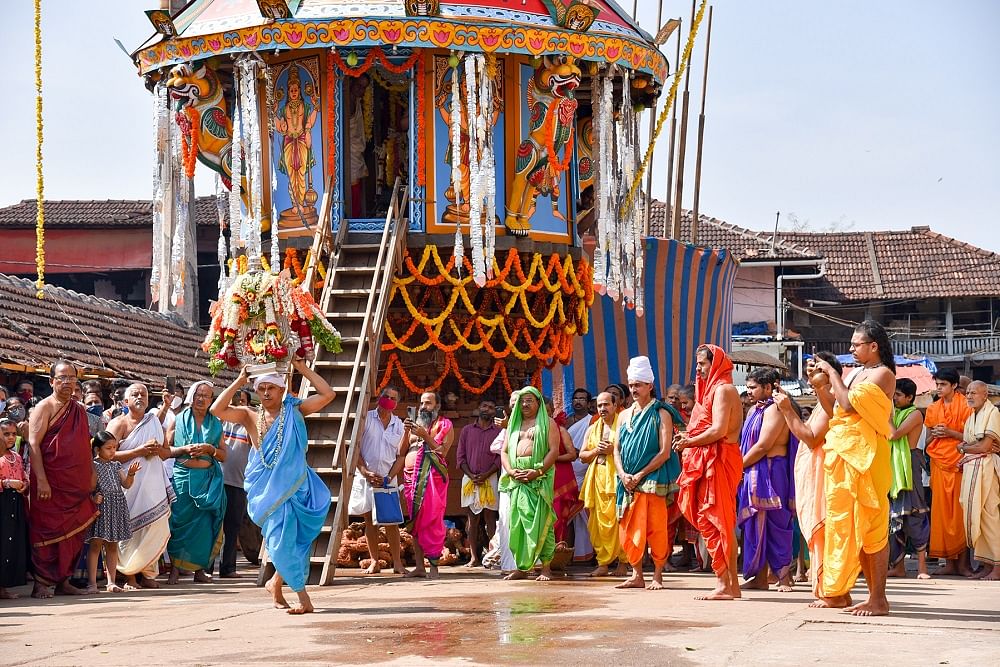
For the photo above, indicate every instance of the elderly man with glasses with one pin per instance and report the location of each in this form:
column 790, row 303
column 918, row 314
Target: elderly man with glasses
column 62, row 478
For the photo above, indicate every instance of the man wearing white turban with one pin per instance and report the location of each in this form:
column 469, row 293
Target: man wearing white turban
column 647, row 474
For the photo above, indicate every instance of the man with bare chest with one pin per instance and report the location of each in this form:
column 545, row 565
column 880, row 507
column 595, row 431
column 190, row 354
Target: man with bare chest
column 528, row 461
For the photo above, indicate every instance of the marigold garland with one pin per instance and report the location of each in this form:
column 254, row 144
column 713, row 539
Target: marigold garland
column 190, row 139
column 40, row 180
column 421, row 121
column 375, row 56
column 531, row 316
column 558, row 165
column 395, row 366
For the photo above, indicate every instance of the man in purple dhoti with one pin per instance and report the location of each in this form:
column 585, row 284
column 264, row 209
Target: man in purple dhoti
column 766, row 496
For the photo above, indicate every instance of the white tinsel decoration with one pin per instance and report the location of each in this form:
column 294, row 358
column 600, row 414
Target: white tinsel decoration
column 475, row 180
column 269, row 101
column 456, row 164
column 182, row 198
column 221, row 204
column 161, row 154
column 487, row 165
column 236, row 190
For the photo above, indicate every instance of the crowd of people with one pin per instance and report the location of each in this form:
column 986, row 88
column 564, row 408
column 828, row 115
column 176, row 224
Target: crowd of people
column 139, row 487
column 747, row 485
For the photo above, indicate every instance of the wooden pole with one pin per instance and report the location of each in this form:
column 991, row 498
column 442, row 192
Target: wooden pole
column 668, row 227
column 701, row 136
column 648, row 212
column 679, row 193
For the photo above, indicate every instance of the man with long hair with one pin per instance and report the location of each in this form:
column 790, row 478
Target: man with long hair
column 712, row 466
column 859, row 472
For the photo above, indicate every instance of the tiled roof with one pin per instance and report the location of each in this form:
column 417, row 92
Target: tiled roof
column 110, row 337
column 916, row 263
column 97, row 213
column 746, row 245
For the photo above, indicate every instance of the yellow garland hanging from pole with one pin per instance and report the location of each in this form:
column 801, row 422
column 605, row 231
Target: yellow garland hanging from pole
column 685, row 59
column 40, row 185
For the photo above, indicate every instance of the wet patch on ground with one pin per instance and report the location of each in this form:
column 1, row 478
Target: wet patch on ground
column 506, row 628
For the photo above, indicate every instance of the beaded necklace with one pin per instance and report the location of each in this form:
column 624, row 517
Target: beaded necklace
column 260, row 436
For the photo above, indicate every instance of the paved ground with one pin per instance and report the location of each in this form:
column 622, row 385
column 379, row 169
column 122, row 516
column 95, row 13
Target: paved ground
column 473, row 618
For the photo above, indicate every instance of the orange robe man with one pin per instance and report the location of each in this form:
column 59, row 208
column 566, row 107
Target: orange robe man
column 712, row 465
column 945, row 421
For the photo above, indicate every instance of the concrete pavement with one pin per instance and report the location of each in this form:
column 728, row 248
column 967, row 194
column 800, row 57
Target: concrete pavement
column 471, row 617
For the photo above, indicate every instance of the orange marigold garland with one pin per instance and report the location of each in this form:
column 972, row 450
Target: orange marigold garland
column 375, row 56
column 190, row 139
column 506, row 323
column 421, row 121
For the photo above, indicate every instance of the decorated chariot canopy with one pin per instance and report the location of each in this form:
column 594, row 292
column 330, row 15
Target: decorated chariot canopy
column 497, row 118
column 590, row 30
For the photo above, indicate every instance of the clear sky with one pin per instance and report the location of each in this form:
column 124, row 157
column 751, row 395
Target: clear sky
column 880, row 115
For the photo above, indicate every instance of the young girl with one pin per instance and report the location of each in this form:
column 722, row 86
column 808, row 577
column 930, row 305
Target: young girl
column 13, row 509
column 112, row 525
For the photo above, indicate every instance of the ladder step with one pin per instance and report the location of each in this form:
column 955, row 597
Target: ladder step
column 324, row 444
column 328, row 471
column 347, row 316
column 361, row 246
column 353, row 291
column 355, row 269
column 322, row 363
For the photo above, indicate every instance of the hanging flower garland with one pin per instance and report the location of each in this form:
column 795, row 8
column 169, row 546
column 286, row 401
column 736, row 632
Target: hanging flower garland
column 552, row 123
column 376, row 56
column 190, row 122
column 421, row 122
column 530, row 314
column 39, row 177
column 395, row 367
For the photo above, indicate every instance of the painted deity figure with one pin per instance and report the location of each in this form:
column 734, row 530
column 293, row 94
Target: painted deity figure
column 294, row 118
column 552, row 107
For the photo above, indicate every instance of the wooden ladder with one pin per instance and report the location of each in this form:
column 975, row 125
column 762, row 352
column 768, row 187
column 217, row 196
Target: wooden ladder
column 355, row 298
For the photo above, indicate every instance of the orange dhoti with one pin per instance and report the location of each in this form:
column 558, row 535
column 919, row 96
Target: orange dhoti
column 947, row 523
column 644, row 522
column 709, row 479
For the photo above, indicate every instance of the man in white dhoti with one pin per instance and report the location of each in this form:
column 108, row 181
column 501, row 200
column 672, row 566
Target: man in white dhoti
column 140, row 436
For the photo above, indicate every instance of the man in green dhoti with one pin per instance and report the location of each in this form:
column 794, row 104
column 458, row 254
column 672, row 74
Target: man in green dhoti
column 528, row 459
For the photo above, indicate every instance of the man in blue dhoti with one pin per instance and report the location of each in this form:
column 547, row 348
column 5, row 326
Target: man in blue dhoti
column 766, row 496
column 285, row 497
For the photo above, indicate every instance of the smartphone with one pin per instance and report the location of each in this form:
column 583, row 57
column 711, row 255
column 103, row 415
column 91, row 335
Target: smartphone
column 171, row 383
column 501, row 413
column 411, row 413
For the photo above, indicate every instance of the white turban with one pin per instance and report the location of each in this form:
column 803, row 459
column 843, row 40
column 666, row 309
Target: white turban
column 270, row 378
column 193, row 388
column 639, row 370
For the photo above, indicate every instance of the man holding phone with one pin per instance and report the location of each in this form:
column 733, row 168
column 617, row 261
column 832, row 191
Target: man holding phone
column 379, row 442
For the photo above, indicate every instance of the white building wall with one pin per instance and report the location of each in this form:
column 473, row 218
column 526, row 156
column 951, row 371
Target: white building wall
column 753, row 295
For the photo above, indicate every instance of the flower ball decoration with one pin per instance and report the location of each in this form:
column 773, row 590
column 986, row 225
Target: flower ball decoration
column 261, row 318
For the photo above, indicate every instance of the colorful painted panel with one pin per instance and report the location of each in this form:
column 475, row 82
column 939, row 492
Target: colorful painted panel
column 688, row 302
column 446, row 211
column 298, row 145
column 548, row 213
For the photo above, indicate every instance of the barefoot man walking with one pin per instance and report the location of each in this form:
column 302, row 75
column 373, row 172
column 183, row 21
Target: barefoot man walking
column 858, row 471
column 285, row 497
column 712, row 466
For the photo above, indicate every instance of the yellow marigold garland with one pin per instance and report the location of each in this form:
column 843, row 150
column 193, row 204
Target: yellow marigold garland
column 40, row 183
column 510, row 311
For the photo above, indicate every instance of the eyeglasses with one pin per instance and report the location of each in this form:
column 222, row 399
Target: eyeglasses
column 65, row 379
column 864, row 342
